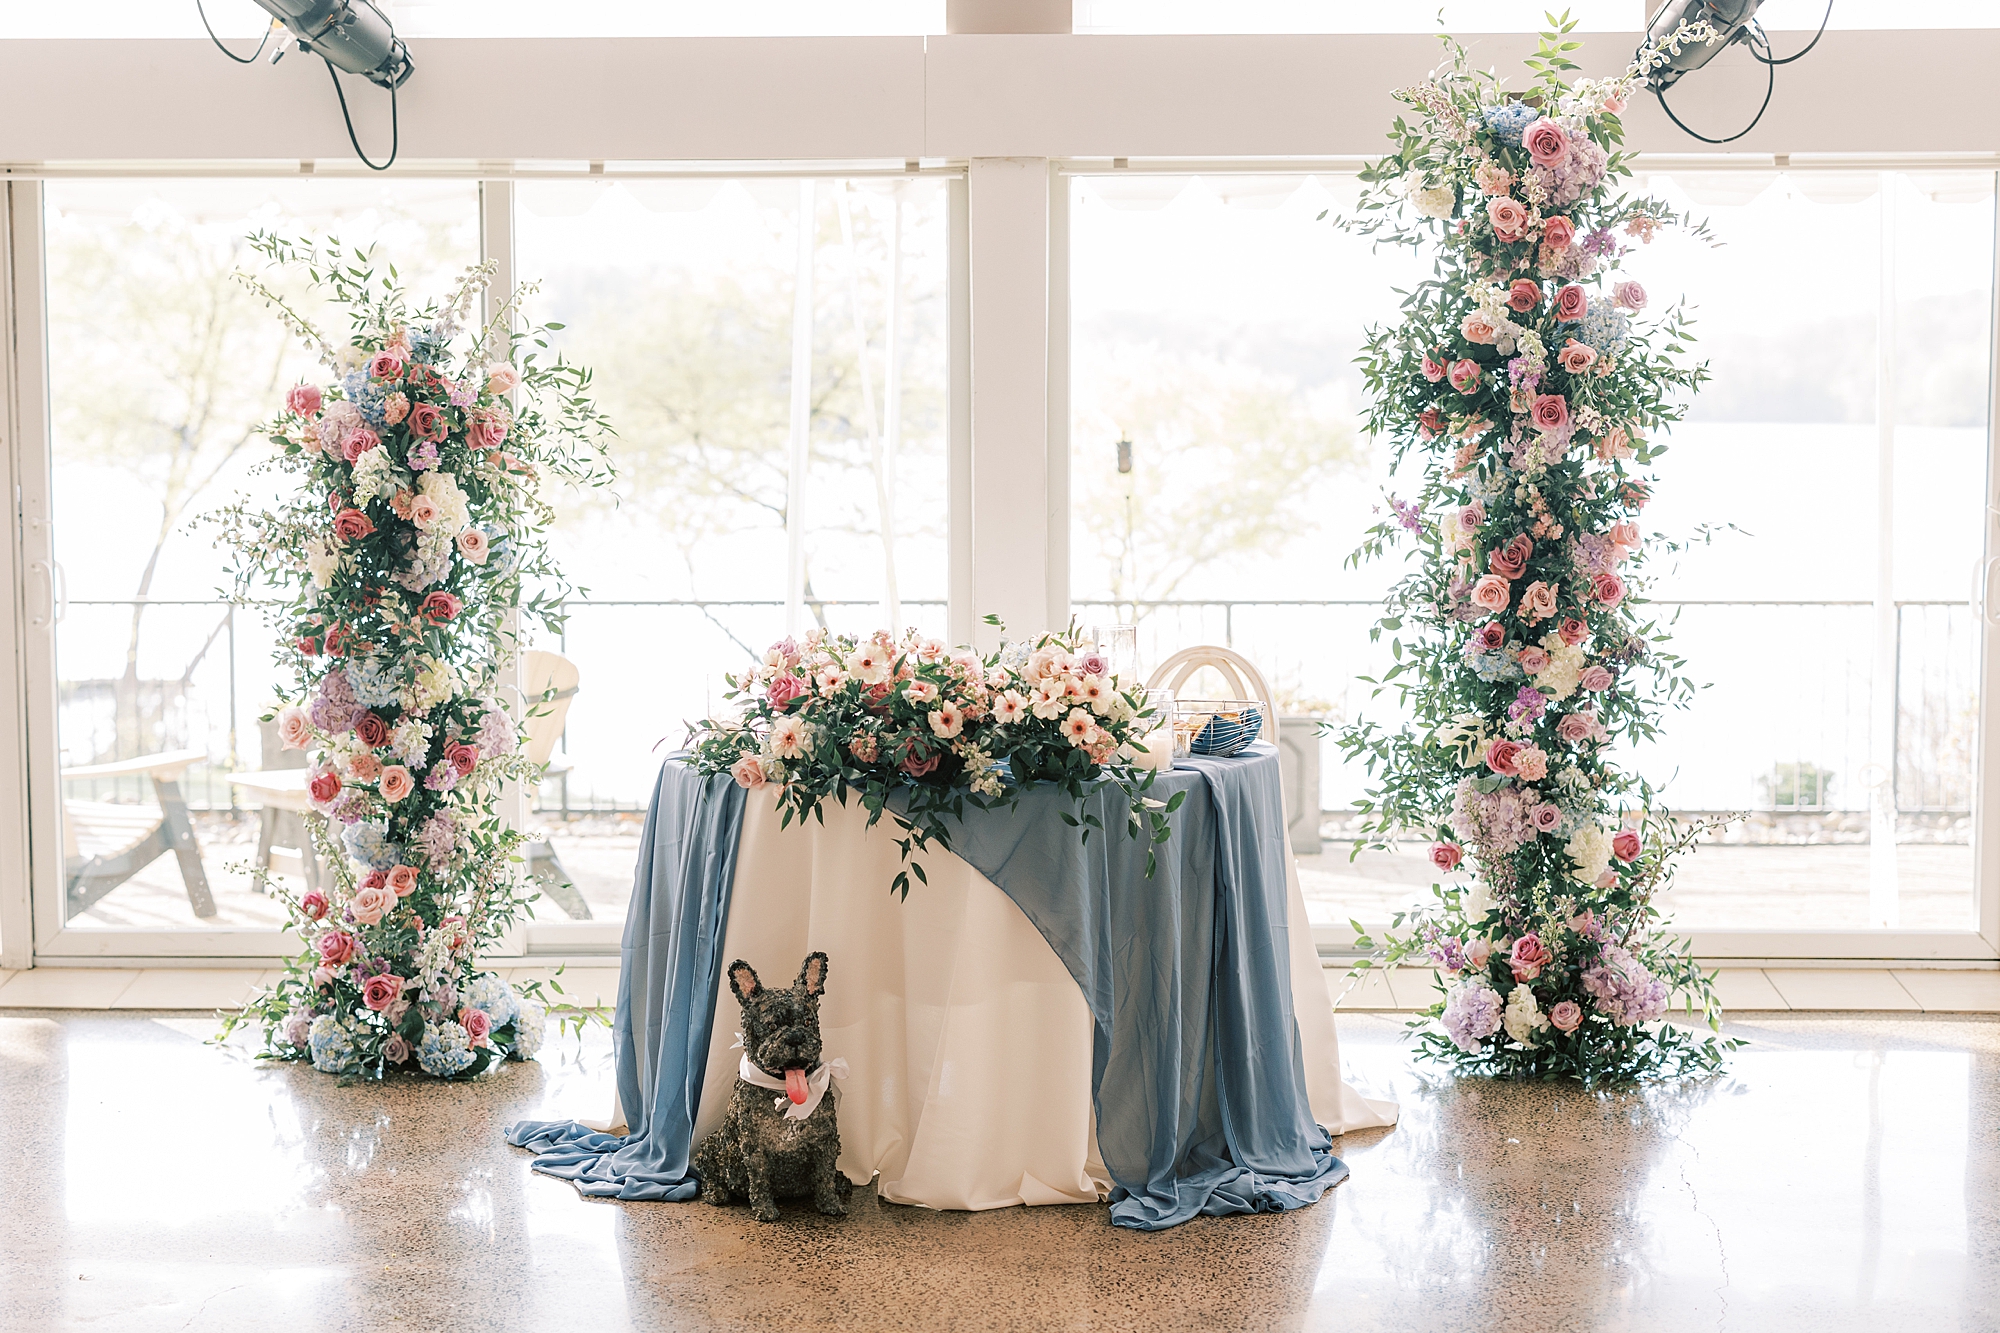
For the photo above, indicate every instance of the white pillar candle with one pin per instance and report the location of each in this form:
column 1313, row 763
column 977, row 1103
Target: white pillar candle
column 1155, row 751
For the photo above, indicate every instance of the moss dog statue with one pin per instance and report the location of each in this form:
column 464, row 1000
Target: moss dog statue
column 784, row 1147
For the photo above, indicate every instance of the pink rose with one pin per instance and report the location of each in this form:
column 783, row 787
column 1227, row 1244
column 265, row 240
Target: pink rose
column 1576, row 357
column 1492, row 593
column 359, row 443
column 396, row 1049
column 1625, row 846
column 1478, row 952
column 476, row 1023
column 1429, row 422
column 918, row 768
column 1549, row 411
column 1625, row 533
column 1464, row 376
column 1446, row 856
column 1529, row 957
column 335, row 948
column 748, row 772
column 1566, row 1015
column 475, row 545
column 313, row 905
column 370, row 902
column 1432, row 368
column 325, row 785
column 1511, row 561
column 1502, row 756
column 396, row 783
column 502, row 379
column 303, row 399
column 1607, row 879
column 1547, row 817
column 1531, row 765
column 1523, row 295
column 381, row 991
column 1534, row 661
column 294, row 728
column 1596, row 679
column 1476, row 328
column 1472, row 517
column 426, row 422
column 1094, row 664
column 1509, row 219
column 441, row 606
column 403, row 881
column 1572, row 303
column 371, row 730
column 462, row 757
column 1575, row 727
column 385, row 366
column 1573, row 631
column 1630, row 295
column 1608, row 589
column 1538, row 602
column 1547, row 142
column 784, row 688
column 423, row 511
column 1491, row 637
column 1558, row 232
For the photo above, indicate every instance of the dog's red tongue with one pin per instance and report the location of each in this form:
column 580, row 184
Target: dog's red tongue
column 795, row 1086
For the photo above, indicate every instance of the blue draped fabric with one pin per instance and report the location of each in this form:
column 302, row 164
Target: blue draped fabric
column 669, row 968
column 1197, row 1070
column 1197, row 1073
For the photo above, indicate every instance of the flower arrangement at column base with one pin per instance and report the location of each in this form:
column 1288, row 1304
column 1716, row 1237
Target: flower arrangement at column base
column 395, row 575
column 1521, row 647
column 918, row 731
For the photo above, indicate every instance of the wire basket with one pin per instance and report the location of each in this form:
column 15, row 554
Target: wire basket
column 1219, row 727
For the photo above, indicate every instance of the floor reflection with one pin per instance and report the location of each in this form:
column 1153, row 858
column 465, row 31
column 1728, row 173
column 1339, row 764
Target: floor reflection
column 1842, row 1174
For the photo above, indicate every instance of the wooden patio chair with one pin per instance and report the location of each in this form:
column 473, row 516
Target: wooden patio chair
column 105, row 843
column 285, row 816
column 542, row 672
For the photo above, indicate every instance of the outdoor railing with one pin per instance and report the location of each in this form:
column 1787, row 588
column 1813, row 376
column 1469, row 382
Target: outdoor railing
column 1787, row 728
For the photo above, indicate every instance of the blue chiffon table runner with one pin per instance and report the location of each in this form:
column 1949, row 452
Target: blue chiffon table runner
column 1197, row 1074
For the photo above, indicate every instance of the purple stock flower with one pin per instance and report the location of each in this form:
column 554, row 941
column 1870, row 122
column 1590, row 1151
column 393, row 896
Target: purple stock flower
column 1528, row 706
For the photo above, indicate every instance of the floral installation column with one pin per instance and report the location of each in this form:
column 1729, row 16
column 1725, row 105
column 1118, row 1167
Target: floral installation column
column 1528, row 380
column 396, row 573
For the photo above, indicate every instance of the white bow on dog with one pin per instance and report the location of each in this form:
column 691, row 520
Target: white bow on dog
column 817, row 1082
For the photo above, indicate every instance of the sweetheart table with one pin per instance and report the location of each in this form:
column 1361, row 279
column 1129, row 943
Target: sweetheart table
column 1038, row 1023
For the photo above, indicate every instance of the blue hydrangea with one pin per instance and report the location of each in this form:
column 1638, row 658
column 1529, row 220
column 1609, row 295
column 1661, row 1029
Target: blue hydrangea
column 367, row 396
column 445, row 1050
column 332, row 1045
column 528, row 1029
column 368, row 842
column 373, row 681
column 1509, row 121
column 490, row 993
column 427, row 343
column 1492, row 667
column 1605, row 326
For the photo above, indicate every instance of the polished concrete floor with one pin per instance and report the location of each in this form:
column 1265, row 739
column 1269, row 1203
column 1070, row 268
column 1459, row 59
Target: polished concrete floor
column 1844, row 1174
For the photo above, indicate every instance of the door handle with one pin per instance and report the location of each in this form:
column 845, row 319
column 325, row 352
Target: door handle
column 42, row 619
column 1982, row 591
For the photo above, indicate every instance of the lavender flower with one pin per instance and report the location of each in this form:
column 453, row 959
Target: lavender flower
column 1624, row 990
column 1528, row 706
column 333, row 709
column 1472, row 1012
column 423, row 456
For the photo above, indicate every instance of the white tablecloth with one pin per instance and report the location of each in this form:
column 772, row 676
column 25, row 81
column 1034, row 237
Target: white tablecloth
column 968, row 1043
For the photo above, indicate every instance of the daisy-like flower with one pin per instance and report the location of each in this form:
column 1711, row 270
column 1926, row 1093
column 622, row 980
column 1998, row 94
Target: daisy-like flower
column 870, row 663
column 1080, row 728
column 789, row 736
column 1093, row 691
column 1051, row 697
column 921, row 692
column 1009, row 707
column 829, row 679
column 947, row 721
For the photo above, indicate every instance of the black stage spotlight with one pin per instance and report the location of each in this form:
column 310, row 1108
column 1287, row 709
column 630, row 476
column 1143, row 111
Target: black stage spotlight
column 353, row 35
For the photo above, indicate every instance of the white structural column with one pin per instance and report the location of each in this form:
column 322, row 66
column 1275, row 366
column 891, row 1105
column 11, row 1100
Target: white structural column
column 1008, row 260
column 1882, row 887
column 800, row 448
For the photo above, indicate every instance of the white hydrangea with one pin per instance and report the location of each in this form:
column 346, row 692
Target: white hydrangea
column 323, row 561
column 1524, row 1018
column 1590, row 848
column 529, row 1028
column 411, row 739
column 1559, row 679
column 1433, row 201
column 374, row 476
column 454, row 514
column 490, row 993
column 433, row 683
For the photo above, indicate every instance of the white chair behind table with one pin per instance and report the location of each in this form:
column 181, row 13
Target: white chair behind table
column 285, row 817
column 1236, row 670
column 549, row 684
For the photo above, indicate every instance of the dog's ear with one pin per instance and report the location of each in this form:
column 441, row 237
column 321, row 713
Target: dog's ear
column 743, row 980
column 812, row 975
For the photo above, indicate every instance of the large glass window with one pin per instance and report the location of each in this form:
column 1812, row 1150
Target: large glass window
column 160, row 366
column 1219, row 484
column 772, row 355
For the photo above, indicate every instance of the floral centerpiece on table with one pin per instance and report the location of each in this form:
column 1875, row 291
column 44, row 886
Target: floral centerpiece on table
column 396, row 574
column 1524, row 376
column 919, row 731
